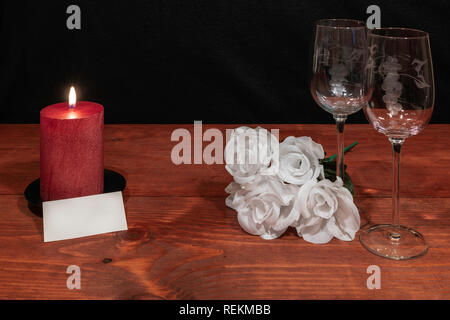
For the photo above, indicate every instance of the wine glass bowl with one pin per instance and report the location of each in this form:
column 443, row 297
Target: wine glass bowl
column 400, row 105
column 401, row 77
column 337, row 83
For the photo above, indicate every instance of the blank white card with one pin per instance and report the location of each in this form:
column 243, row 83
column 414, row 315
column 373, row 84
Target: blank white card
column 85, row 216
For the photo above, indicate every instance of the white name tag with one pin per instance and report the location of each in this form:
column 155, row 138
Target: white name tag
column 85, row 216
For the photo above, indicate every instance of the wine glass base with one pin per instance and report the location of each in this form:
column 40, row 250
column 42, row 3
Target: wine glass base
column 393, row 242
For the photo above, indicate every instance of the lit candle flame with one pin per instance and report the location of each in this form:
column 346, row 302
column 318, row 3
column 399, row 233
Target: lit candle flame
column 72, row 98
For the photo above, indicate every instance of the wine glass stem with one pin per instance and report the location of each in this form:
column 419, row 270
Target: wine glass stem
column 396, row 149
column 340, row 121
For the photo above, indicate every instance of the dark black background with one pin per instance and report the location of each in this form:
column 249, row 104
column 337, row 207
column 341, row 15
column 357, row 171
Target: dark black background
column 176, row 61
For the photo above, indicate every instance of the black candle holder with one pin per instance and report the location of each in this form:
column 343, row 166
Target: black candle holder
column 113, row 182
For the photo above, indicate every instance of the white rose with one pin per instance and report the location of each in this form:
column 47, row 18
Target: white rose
column 299, row 160
column 264, row 207
column 326, row 211
column 251, row 152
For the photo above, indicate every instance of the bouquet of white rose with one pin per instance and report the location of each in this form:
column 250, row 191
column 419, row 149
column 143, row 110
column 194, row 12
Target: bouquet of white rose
column 277, row 186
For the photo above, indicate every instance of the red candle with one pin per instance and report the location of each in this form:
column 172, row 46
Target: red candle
column 71, row 149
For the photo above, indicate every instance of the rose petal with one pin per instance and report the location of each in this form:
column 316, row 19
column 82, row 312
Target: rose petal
column 287, row 217
column 315, row 233
column 347, row 220
column 301, row 203
column 249, row 225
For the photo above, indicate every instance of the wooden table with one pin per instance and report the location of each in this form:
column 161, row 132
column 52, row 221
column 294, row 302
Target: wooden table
column 183, row 243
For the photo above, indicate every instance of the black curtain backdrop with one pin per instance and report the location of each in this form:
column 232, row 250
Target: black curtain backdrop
column 176, row 61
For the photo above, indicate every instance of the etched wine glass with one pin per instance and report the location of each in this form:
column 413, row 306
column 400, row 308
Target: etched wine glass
column 400, row 76
column 338, row 79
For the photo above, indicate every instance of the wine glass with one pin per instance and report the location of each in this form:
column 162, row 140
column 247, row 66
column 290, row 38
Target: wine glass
column 400, row 76
column 338, row 79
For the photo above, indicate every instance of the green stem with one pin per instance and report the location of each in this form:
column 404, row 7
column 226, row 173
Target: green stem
column 333, row 157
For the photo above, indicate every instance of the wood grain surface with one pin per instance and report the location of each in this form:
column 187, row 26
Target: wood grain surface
column 183, row 243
